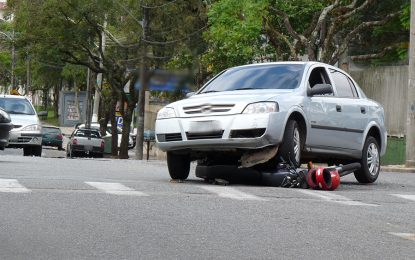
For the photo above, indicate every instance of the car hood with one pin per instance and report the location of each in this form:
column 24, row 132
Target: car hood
column 226, row 102
column 23, row 120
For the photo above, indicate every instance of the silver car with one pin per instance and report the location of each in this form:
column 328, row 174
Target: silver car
column 27, row 129
column 259, row 115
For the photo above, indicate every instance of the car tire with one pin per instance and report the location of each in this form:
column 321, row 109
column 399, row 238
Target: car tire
column 179, row 165
column 27, row 151
column 37, row 151
column 291, row 146
column 370, row 162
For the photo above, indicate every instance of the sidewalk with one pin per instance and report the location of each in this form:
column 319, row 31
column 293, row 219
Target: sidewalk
column 397, row 168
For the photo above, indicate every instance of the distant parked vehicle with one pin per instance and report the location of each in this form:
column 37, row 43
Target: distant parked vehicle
column 52, row 136
column 85, row 142
column 5, row 127
column 27, row 130
column 108, row 133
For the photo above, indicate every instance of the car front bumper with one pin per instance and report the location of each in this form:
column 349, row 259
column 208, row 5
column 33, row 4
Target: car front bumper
column 22, row 139
column 227, row 132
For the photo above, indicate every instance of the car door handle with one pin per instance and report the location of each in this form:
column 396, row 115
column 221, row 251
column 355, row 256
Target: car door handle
column 363, row 110
column 338, row 108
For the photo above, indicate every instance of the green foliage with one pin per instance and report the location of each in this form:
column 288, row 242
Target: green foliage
column 234, row 35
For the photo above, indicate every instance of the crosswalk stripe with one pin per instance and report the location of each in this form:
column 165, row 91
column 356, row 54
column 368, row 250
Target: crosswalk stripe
column 405, row 196
column 12, row 185
column 115, row 188
column 408, row 236
column 231, row 193
column 330, row 196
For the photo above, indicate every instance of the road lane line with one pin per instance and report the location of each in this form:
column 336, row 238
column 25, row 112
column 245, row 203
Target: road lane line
column 12, row 185
column 231, row 193
column 405, row 196
column 115, row 188
column 407, row 236
column 331, row 197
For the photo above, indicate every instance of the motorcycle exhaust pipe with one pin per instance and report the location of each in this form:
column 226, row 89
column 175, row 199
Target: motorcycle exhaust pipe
column 329, row 178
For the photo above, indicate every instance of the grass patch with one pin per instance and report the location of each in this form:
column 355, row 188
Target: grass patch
column 51, row 119
column 395, row 152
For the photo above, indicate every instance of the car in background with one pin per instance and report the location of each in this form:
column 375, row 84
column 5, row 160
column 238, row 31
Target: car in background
column 108, row 134
column 52, row 136
column 85, row 142
column 259, row 115
column 27, row 129
column 5, row 127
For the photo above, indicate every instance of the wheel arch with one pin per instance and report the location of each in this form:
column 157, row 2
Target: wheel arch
column 374, row 131
column 300, row 118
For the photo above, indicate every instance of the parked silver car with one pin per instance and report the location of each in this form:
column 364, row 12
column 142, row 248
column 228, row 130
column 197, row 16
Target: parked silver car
column 257, row 115
column 27, row 129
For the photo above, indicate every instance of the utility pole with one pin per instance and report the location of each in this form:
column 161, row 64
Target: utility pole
column 13, row 60
column 142, row 91
column 97, row 97
column 410, row 116
column 88, row 100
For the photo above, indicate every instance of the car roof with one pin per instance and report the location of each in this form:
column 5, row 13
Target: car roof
column 12, row 96
column 50, row 126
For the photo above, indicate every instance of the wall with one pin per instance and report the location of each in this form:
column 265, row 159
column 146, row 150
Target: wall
column 387, row 85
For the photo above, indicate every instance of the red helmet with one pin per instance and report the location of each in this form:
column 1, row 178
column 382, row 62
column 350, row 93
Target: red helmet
column 324, row 179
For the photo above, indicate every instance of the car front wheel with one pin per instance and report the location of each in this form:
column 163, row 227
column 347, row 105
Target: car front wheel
column 370, row 162
column 179, row 165
column 291, row 146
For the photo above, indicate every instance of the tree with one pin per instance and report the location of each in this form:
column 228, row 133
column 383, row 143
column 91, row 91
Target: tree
column 242, row 31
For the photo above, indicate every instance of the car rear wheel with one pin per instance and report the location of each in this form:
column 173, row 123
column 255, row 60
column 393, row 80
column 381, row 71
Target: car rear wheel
column 179, row 165
column 370, row 162
column 291, row 146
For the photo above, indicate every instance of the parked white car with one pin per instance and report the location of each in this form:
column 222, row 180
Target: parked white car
column 27, row 129
column 257, row 115
column 119, row 131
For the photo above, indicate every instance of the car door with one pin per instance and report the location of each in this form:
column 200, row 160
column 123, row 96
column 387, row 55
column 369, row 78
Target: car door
column 323, row 115
column 352, row 112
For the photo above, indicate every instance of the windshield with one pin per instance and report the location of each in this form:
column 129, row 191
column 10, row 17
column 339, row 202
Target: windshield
column 50, row 130
column 275, row 76
column 16, row 106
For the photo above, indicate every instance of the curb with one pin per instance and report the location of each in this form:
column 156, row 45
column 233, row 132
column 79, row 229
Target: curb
column 397, row 168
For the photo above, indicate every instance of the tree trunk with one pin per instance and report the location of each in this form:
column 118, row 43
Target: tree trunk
column 127, row 118
column 114, row 133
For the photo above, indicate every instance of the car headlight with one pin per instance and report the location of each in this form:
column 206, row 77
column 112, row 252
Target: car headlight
column 32, row 128
column 4, row 117
column 261, row 108
column 166, row 112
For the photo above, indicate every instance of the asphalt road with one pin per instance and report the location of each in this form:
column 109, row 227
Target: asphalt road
column 57, row 208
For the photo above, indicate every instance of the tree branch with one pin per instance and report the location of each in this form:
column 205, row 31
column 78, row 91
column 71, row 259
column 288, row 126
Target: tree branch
column 373, row 55
column 351, row 35
column 274, row 35
column 288, row 26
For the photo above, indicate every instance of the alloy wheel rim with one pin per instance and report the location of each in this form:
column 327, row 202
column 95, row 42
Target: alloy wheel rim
column 373, row 159
column 297, row 145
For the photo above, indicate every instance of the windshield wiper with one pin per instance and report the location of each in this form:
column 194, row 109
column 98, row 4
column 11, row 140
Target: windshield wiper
column 209, row 91
column 244, row 88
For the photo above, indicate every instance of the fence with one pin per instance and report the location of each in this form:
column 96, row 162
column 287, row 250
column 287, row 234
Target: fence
column 389, row 86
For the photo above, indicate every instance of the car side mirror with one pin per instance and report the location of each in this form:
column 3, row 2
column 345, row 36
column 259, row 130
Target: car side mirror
column 320, row 89
column 43, row 113
column 190, row 94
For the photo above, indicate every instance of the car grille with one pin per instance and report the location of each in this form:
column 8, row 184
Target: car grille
column 208, row 108
column 210, row 135
column 169, row 137
column 24, row 139
column 247, row 133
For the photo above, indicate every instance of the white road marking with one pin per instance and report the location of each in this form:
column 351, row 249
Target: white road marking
column 12, row 185
column 405, row 196
column 115, row 188
column 231, row 193
column 408, row 236
column 331, row 197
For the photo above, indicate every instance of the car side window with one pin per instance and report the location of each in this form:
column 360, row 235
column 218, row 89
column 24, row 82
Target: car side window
column 318, row 76
column 342, row 83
